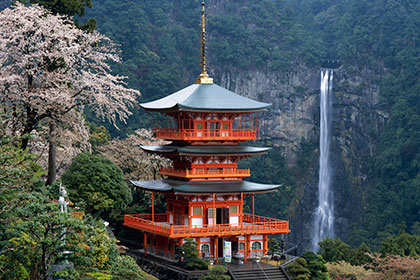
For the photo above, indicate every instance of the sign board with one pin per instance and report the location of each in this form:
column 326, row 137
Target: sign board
column 227, row 251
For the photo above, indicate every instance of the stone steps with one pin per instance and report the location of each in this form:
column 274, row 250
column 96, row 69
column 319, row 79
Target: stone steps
column 253, row 274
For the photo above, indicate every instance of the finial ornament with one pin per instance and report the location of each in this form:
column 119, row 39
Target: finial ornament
column 204, row 77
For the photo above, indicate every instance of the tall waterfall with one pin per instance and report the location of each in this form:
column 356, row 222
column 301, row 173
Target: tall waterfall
column 324, row 215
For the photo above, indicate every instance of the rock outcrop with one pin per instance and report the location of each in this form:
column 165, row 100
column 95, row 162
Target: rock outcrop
column 358, row 117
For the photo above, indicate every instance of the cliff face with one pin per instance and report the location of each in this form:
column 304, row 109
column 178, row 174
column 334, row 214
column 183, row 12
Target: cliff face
column 293, row 96
column 358, row 117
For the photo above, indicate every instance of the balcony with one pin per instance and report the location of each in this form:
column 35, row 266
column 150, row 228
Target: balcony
column 204, row 174
column 206, row 134
column 250, row 225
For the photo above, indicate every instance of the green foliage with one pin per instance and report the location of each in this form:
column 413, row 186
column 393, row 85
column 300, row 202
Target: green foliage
column 39, row 235
column 272, row 168
column 18, row 174
column 68, row 7
column 333, row 250
column 273, row 246
column 99, row 136
column 125, row 267
column 359, row 255
column 403, row 245
column 187, row 255
column 217, row 272
column 97, row 182
column 316, row 266
column 299, row 270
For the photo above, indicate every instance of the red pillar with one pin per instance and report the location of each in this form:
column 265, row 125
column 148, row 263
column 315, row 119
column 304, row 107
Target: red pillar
column 217, row 249
column 245, row 248
column 265, row 243
column 241, row 210
column 145, row 244
column 214, row 209
column 198, row 247
column 153, row 206
column 253, row 212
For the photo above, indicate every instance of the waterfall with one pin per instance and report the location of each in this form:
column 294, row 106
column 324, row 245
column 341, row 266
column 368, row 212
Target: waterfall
column 324, row 214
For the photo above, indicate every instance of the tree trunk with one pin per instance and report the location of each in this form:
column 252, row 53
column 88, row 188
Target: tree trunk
column 51, row 155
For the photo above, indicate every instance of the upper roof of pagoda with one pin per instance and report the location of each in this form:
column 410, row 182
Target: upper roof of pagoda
column 205, row 98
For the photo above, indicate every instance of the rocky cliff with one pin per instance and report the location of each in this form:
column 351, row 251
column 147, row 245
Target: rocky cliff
column 358, row 117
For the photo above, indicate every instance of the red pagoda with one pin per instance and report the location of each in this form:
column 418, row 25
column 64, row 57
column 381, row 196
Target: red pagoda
column 204, row 190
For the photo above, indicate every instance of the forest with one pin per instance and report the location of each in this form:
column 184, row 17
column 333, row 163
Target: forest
column 72, row 122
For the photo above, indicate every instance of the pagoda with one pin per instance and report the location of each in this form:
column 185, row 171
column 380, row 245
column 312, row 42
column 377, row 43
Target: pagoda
column 204, row 189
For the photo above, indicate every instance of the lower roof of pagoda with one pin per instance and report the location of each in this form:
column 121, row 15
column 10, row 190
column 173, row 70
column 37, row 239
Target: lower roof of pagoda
column 188, row 187
column 206, row 149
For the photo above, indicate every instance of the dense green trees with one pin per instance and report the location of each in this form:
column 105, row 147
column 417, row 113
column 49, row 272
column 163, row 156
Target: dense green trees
column 316, row 266
column 68, row 7
column 34, row 233
column 95, row 181
column 299, row 270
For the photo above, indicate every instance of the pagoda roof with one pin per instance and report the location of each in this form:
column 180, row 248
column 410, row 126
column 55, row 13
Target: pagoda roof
column 205, row 98
column 188, row 187
column 206, row 150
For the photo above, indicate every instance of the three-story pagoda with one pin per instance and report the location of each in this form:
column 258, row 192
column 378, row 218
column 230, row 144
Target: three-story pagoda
column 204, row 189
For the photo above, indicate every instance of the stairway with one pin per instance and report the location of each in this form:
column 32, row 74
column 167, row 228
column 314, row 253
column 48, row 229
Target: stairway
column 274, row 273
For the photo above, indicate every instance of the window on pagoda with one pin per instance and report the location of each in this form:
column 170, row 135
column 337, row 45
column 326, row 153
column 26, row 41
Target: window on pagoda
column 241, row 246
column 256, row 246
column 233, row 209
column 197, row 211
column 205, row 248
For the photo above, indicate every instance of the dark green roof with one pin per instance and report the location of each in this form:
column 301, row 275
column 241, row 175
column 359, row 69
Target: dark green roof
column 205, row 97
column 176, row 186
column 206, row 150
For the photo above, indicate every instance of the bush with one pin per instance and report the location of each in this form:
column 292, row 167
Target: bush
column 187, row 255
column 97, row 182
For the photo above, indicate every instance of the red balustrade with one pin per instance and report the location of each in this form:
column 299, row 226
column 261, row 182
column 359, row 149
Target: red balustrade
column 206, row 134
column 206, row 173
column 250, row 225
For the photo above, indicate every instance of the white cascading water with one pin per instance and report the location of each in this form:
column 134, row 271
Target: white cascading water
column 324, row 215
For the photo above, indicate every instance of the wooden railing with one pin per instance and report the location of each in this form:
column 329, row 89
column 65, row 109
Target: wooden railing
column 206, row 173
column 206, row 134
column 144, row 222
column 261, row 225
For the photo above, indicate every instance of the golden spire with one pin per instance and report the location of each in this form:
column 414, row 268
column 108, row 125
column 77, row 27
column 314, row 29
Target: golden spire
column 204, row 77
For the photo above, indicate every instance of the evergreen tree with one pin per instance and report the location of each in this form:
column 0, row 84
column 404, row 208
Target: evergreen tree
column 95, row 181
column 187, row 255
column 316, row 266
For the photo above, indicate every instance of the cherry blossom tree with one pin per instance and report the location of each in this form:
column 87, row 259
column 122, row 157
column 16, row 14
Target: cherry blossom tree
column 49, row 67
column 135, row 163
